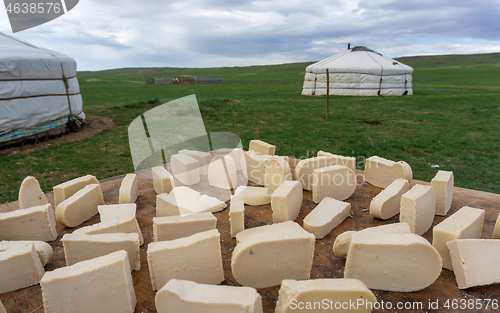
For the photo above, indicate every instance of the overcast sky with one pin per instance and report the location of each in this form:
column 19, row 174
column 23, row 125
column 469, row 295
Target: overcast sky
column 104, row 34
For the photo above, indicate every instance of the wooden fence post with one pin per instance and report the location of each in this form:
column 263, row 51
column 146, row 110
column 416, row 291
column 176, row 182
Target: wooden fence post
column 327, row 93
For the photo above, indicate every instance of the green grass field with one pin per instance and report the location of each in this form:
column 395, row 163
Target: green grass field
column 452, row 120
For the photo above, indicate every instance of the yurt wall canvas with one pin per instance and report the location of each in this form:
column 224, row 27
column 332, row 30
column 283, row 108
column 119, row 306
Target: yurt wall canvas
column 36, row 85
column 358, row 71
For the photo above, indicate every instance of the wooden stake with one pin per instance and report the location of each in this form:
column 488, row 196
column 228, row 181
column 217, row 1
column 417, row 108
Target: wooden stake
column 327, row 93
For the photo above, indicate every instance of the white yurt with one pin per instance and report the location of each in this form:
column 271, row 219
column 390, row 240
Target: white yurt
column 38, row 89
column 358, row 71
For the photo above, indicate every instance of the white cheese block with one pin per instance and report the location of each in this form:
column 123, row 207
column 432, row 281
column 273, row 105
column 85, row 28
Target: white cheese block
column 99, row 285
column 388, row 202
column 211, row 204
column 236, row 216
column 81, row 247
column 254, row 195
column 43, row 249
column 276, row 171
column 128, row 191
column 35, row 223
column 260, row 147
column 20, row 268
column 381, row 172
column 465, row 223
column 418, row 207
column 124, row 224
column 30, row 193
column 185, row 193
column 304, row 169
column 349, row 162
column 443, row 187
column 256, row 167
column 79, row 207
column 392, row 262
column 475, row 261
column 284, row 227
column 311, row 295
column 174, row 227
column 222, row 172
column 185, row 169
column 236, row 154
column 163, row 181
column 197, row 258
column 286, row 201
column 190, row 297
column 166, row 205
column 338, row 182
column 191, row 201
column 203, row 159
column 327, row 215
column 343, row 241
column 112, row 212
column 496, row 231
column 67, row 189
column 2, row 308
column 265, row 259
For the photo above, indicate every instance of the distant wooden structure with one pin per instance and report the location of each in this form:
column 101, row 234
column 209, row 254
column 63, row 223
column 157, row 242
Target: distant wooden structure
column 183, row 80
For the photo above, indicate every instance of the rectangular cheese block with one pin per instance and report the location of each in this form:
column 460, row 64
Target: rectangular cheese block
column 327, row 215
column 124, row 224
column 286, row 201
column 310, row 295
column 35, row 223
column 349, row 162
column 166, row 205
column 284, row 227
column 112, row 212
column 465, row 223
column 337, row 182
column 81, row 247
column 253, row 195
column 79, row 207
column 174, row 227
column 304, row 169
column 197, row 258
column 128, row 191
column 222, row 172
column 99, row 285
column 20, row 268
column 443, row 187
column 276, row 171
column 190, row 297
column 67, row 189
column 236, row 154
column 260, row 147
column 265, row 259
column 163, row 181
column 30, row 193
column 43, row 249
column 418, row 207
column 475, row 261
column 343, row 241
column 388, row 202
column 256, row 167
column 496, row 230
column 392, row 262
column 203, row 159
column 185, row 169
column 381, row 172
column 236, row 216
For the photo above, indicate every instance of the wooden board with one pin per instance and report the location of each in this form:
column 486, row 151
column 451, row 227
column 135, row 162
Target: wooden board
column 326, row 265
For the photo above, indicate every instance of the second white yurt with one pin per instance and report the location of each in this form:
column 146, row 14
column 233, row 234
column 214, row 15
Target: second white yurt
column 358, row 71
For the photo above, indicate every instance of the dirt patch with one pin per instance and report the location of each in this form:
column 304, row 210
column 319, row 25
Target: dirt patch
column 92, row 126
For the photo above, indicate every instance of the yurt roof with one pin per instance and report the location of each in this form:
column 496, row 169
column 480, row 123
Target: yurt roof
column 359, row 59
